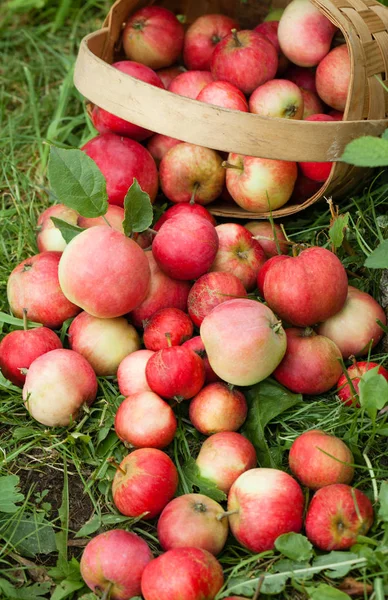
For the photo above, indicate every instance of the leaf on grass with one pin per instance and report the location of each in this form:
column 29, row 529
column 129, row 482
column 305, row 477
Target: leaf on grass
column 274, row 585
column 66, row 588
column 68, row 231
column 137, row 209
column 31, row 592
column 77, row 181
column 383, row 499
column 337, row 230
column 366, row 151
column 326, row 592
column 92, row 525
column 292, row 565
column 266, row 400
column 295, row 546
column 9, row 494
column 240, row 585
column 199, row 484
column 30, row 534
column 379, row 257
column 335, row 557
column 373, row 392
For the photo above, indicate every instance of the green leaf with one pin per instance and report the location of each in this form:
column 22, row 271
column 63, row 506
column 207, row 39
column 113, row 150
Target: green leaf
column 31, row 592
column 383, row 499
column 379, row 257
column 292, row 565
column 199, row 484
column 66, row 588
column 266, row 401
column 274, row 586
column 92, row 525
column 138, row 210
column 337, row 230
column 30, row 534
column 9, row 495
column 331, row 559
column 326, row 592
column 77, row 181
column 366, row 151
column 68, row 231
column 294, row 546
column 373, row 392
column 4, row 318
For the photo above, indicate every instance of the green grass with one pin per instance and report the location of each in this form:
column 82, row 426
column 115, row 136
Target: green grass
column 64, row 474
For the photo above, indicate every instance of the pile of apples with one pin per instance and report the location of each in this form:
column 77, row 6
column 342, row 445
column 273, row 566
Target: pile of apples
column 283, row 68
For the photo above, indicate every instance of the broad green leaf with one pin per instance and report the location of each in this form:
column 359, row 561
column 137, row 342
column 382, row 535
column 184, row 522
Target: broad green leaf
column 77, row 181
column 331, row 559
column 266, row 401
column 292, row 565
column 337, row 230
column 274, row 586
column 294, row 546
column 379, row 257
column 366, row 151
column 326, row 592
column 32, row 592
column 138, row 210
column 92, row 525
column 66, row 588
column 199, row 484
column 9, row 494
column 240, row 585
column 373, row 392
column 68, row 231
column 383, row 499
column 30, row 534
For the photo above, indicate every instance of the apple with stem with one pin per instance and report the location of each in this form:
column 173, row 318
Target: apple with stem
column 277, row 98
column 173, row 321
column 202, row 37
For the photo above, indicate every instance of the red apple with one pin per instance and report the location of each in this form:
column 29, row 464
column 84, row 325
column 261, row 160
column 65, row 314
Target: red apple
column 188, row 172
column 190, row 83
column 336, row 114
column 264, row 503
column 105, row 560
column 202, row 37
column 185, row 247
column 131, row 376
column 239, row 254
column 145, row 482
column 311, row 364
column 312, row 105
column 304, row 188
column 224, row 456
column 354, row 328
column 277, row 98
column 308, row 288
column 103, row 342
column 158, row 145
column 33, row 286
column 318, row 459
column 318, row 171
column 153, row 36
column 270, row 30
column 104, row 272
column 338, row 514
column 246, row 59
column 264, row 270
column 185, row 208
column 333, row 77
column 144, row 420
column 189, row 573
column 175, row 373
column 169, row 73
column 265, row 233
column 349, row 394
column 259, row 184
column 167, row 327
column 106, row 122
column 49, row 237
column 209, row 291
column 302, row 76
column 218, row 407
column 191, row 520
column 57, row 384
column 196, row 344
column 121, row 160
column 224, row 94
column 114, row 215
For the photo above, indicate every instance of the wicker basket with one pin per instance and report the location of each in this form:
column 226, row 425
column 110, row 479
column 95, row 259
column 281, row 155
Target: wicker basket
column 364, row 25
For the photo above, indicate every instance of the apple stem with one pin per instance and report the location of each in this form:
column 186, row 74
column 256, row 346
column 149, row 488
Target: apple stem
column 227, row 513
column 295, row 249
column 107, row 591
column 168, row 337
column 115, row 464
column 25, row 321
column 307, row 332
column 228, row 165
column 277, row 327
column 235, row 37
column 195, row 189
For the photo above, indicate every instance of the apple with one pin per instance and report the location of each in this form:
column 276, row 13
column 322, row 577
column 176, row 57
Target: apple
column 153, row 36
column 270, row 30
column 318, row 459
column 104, row 272
column 304, row 33
column 49, row 237
column 338, row 514
column 336, row 114
column 303, row 77
column 312, row 105
column 185, row 208
column 267, row 234
column 224, row 94
column 167, row 322
column 176, row 373
column 185, row 247
column 158, row 145
column 239, row 254
column 202, row 37
column 245, row 59
column 131, row 376
column 259, row 184
column 190, row 83
column 263, row 504
column 333, row 77
column 218, row 407
column 311, row 364
column 195, row 343
column 188, row 172
column 209, row 291
column 106, row 122
column 277, row 98
column 145, row 482
column 33, row 286
column 318, row 171
column 114, row 215
column 264, row 270
column 349, row 394
column 224, row 456
column 304, row 188
column 163, row 292
column 103, row 342
column 189, row 573
column 308, row 288
column 244, row 341
column 105, row 560
column 169, row 73
column 57, row 384
column 144, row 420
column 191, row 520
column 354, row 328
column 121, row 160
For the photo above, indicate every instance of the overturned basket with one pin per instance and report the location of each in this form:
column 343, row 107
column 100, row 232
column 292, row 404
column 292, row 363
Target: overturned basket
column 364, row 24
